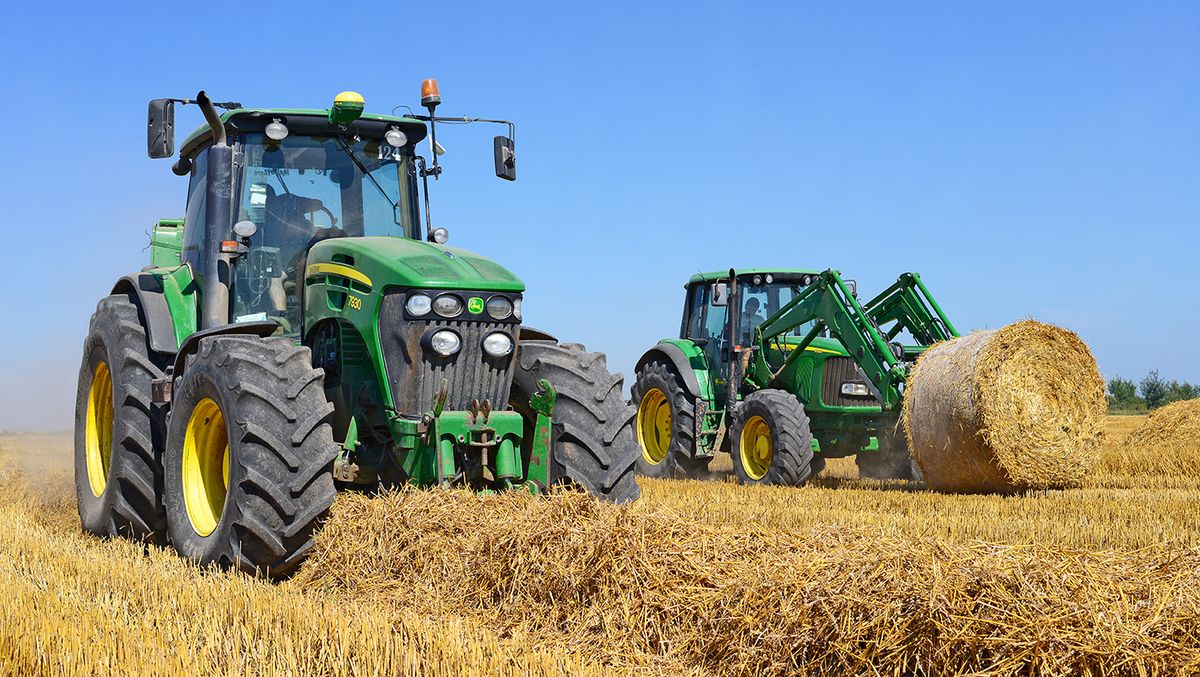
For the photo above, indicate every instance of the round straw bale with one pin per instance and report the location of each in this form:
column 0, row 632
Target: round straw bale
column 1021, row 407
column 1169, row 439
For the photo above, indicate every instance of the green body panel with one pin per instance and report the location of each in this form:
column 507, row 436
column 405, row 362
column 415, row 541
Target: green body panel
column 179, row 290
column 166, row 243
column 400, row 262
column 699, row 365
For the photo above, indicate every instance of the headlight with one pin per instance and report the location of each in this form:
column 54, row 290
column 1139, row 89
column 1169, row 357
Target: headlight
column 418, row 304
column 499, row 307
column 447, row 305
column 517, row 308
column 445, row 342
column 855, row 390
column 497, row 344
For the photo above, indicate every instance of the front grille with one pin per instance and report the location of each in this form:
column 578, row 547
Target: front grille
column 839, row 370
column 415, row 374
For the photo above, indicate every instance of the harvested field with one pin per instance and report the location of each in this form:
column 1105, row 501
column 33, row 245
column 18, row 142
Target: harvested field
column 847, row 576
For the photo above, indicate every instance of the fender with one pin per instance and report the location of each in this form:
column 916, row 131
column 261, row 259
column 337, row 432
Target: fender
column 156, row 314
column 530, row 334
column 261, row 329
column 670, row 352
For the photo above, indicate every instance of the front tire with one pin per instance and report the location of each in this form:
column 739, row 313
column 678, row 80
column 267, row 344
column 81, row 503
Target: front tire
column 665, row 424
column 249, row 460
column 770, row 440
column 592, row 438
column 118, row 433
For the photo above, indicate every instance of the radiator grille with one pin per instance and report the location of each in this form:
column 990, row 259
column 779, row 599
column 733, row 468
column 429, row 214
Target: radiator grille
column 415, row 374
column 839, row 370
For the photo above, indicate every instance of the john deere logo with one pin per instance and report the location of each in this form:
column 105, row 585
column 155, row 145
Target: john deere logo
column 475, row 305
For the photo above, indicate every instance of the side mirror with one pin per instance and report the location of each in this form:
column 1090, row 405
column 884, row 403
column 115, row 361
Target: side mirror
column 506, row 158
column 720, row 294
column 160, row 129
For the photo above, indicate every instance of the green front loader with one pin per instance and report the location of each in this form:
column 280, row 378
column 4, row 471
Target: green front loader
column 299, row 331
column 784, row 369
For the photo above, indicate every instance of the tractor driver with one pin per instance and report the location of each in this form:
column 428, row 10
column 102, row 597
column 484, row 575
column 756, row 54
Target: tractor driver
column 750, row 320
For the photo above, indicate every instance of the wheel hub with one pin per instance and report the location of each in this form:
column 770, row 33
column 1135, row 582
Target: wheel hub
column 98, row 432
column 654, row 426
column 205, row 466
column 755, row 448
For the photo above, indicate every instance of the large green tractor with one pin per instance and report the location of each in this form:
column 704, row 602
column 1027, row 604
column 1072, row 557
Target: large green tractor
column 784, row 369
column 298, row 331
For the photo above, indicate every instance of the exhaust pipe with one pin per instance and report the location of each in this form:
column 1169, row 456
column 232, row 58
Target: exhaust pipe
column 218, row 221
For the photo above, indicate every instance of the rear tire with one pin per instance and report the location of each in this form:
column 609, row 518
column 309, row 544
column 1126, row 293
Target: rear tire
column 665, row 424
column 770, row 440
column 592, row 439
column 891, row 462
column 260, row 404
column 118, row 431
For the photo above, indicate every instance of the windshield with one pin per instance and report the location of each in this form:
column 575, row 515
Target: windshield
column 307, row 183
column 760, row 301
column 304, row 189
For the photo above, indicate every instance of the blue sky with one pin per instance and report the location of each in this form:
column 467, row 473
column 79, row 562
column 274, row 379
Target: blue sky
column 1030, row 159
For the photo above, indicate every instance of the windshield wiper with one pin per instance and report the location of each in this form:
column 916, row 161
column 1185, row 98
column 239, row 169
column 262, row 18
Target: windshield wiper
column 363, row 168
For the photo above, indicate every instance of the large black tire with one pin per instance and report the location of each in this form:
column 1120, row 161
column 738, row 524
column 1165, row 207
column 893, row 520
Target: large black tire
column 271, row 412
column 593, row 444
column 777, row 420
column 891, row 462
column 659, row 390
column 118, row 426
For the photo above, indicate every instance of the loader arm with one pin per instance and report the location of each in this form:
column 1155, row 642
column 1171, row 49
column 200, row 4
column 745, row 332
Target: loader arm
column 829, row 302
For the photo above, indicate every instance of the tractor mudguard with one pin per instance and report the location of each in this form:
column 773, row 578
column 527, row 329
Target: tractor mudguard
column 528, row 333
column 261, row 329
column 152, row 301
column 683, row 366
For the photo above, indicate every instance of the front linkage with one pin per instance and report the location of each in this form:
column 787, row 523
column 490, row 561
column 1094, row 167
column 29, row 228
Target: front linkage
column 479, row 447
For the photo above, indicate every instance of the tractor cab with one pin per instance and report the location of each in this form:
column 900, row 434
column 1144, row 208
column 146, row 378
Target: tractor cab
column 297, row 180
column 714, row 307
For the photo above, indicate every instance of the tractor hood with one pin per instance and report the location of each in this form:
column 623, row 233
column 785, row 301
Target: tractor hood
column 401, row 262
column 828, row 346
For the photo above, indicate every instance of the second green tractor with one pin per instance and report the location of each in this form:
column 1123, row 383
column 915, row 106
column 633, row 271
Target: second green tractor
column 784, row 369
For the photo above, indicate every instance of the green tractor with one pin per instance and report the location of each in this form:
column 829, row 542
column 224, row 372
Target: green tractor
column 784, row 369
column 298, row 332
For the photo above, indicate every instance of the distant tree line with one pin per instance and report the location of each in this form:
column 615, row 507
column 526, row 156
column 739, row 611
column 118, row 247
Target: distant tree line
column 1152, row 392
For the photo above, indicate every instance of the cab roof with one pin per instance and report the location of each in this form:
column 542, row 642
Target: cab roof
column 254, row 119
column 724, row 274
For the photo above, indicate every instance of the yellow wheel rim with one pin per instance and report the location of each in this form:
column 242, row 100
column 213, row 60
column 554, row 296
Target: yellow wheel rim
column 98, row 433
column 205, row 466
column 654, row 426
column 755, row 448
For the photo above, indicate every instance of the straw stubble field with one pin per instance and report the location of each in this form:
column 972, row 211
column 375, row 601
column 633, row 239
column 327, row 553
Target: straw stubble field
column 845, row 575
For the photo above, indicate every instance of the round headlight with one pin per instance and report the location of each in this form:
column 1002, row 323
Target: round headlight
column 445, row 342
column 497, row 344
column 447, row 305
column 499, row 307
column 517, row 308
column 395, row 138
column 418, row 304
column 440, row 235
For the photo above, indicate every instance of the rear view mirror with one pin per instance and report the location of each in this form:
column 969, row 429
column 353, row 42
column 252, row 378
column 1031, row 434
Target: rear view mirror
column 506, row 158
column 720, row 294
column 160, row 128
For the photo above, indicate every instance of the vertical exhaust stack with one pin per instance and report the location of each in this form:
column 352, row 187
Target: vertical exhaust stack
column 217, row 220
